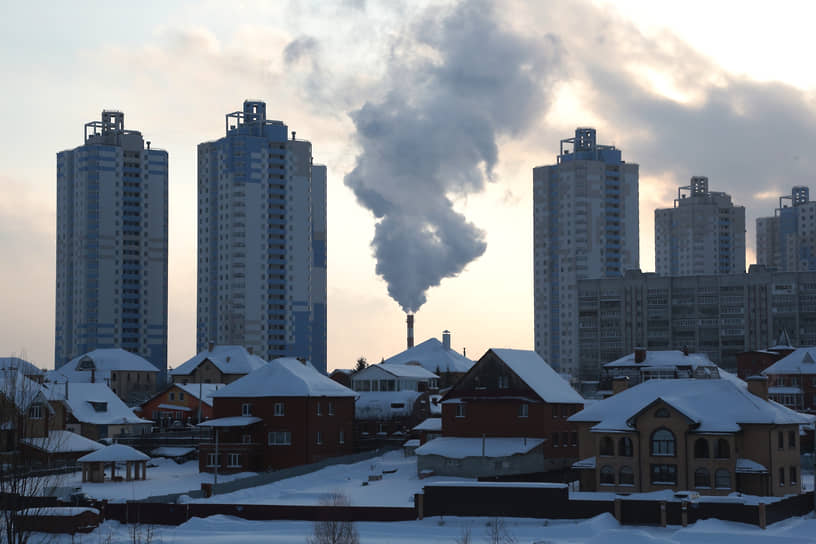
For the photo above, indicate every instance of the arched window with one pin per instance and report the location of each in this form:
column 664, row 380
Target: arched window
column 701, row 448
column 702, row 477
column 662, row 412
column 625, row 447
column 722, row 479
column 607, row 446
column 626, row 476
column 607, row 475
column 663, row 443
column 723, row 450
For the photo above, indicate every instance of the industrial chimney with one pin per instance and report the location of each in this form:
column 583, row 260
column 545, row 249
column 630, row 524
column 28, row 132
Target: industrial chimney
column 410, row 322
column 446, row 339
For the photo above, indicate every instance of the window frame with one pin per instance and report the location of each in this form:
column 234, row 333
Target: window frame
column 246, row 409
column 524, row 410
column 461, row 411
column 236, row 457
column 286, row 435
column 279, row 409
column 657, row 445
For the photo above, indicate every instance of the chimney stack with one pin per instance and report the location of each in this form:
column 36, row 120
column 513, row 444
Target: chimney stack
column 620, row 383
column 210, row 346
column 446, row 339
column 410, row 322
column 685, row 351
column 758, row 385
column 640, row 355
column 251, row 350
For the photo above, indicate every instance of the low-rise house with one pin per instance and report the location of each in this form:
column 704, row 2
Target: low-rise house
column 342, row 376
column 58, row 447
column 792, row 380
column 283, row 414
column 506, row 416
column 710, row 436
column 93, row 411
column 753, row 362
column 429, row 429
column 180, row 403
column 436, row 357
column 643, row 365
column 24, row 409
column 29, row 370
column 131, row 377
column 217, row 364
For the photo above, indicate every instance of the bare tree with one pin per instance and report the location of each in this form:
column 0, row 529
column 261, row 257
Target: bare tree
column 24, row 414
column 334, row 532
column 464, row 536
column 497, row 532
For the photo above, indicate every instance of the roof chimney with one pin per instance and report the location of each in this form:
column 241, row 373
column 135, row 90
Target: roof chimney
column 640, row 355
column 685, row 351
column 210, row 346
column 410, row 322
column 446, row 339
column 620, row 383
column 251, row 350
column 758, row 385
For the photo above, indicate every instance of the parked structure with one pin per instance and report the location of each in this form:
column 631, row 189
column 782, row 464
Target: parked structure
column 262, row 240
column 710, row 436
column 507, row 415
column 792, row 380
column 787, row 241
column 585, row 221
column 131, row 377
column 217, row 364
column 437, row 357
column 180, row 404
column 112, row 244
column 720, row 315
column 642, row 365
column 93, row 464
column 286, row 413
column 704, row 233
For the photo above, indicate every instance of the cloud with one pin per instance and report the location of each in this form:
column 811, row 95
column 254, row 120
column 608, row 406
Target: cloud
column 457, row 82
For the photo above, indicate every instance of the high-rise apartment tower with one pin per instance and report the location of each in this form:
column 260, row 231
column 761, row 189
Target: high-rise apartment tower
column 112, row 244
column 262, row 240
column 704, row 233
column 585, row 223
column 787, row 241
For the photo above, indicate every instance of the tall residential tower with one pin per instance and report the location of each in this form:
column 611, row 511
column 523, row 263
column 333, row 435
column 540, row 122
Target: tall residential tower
column 787, row 241
column 112, row 244
column 585, row 223
column 704, row 233
column 262, row 240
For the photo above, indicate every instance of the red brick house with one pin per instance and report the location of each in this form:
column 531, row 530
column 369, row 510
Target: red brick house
column 180, row 402
column 792, row 380
column 283, row 414
column 752, row 363
column 507, row 415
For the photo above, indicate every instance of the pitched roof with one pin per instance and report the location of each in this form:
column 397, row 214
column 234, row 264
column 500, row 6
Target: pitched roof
column 538, row 375
column 667, row 358
column 713, row 405
column 23, row 391
column 433, row 355
column 105, row 361
column 800, row 361
column 381, row 405
column 62, row 442
column 206, row 390
column 284, row 377
column 29, row 369
column 93, row 403
column 782, row 343
column 228, row 360
column 405, row 370
column 454, row 447
column 114, row 452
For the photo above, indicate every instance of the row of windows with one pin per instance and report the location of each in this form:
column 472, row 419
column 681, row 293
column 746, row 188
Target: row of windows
column 280, row 408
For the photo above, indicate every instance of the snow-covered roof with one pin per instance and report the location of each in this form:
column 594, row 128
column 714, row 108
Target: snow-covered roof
column 93, row 403
column 228, row 360
column 384, row 404
column 584, row 464
column 206, row 390
column 104, row 361
column 23, row 391
column 234, row 421
column 782, row 343
column 433, row 424
column 782, row 390
column 433, row 356
column 747, row 466
column 454, row 447
column 407, row 370
column 800, row 361
column 347, row 371
column 114, row 452
column 171, row 451
column 62, row 442
column 178, row 407
column 29, row 369
column 668, row 358
column 538, row 375
column 284, row 377
column 714, row 405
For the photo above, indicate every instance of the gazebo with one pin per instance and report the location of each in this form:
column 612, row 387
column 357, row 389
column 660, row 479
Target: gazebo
column 93, row 464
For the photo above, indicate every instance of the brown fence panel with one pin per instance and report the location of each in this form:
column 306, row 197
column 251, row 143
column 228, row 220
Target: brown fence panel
column 304, row 512
column 495, row 500
column 640, row 512
column 797, row 505
column 726, row 511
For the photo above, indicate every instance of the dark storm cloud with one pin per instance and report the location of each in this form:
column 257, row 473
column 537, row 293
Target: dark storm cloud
column 462, row 81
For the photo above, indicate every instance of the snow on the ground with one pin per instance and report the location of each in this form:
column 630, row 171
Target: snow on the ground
column 602, row 529
column 395, row 489
column 164, row 478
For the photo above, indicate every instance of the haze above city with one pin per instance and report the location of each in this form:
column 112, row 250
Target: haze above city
column 718, row 90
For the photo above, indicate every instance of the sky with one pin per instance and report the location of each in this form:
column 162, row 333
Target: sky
column 429, row 116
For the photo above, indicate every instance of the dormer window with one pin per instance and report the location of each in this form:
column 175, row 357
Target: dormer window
column 98, row 406
column 35, row 411
column 86, row 363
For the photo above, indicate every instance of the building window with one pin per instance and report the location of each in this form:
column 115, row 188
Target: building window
column 664, row 474
column 181, row 395
column 555, row 440
column 722, row 479
column 663, row 443
column 626, row 476
column 319, row 438
column 280, row 438
column 342, row 439
column 780, row 440
column 460, row 410
column 246, row 409
column 792, row 439
column 723, row 449
column 35, row 412
column 279, row 409
column 233, row 460
column 319, row 409
column 212, row 460
column 792, row 475
column 625, row 447
column 701, row 448
column 246, row 439
column 607, row 446
column 172, row 396
column 781, row 476
column 574, row 438
column 702, row 477
column 607, row 475
column 662, row 412
column 331, row 407
column 504, row 382
column 523, row 410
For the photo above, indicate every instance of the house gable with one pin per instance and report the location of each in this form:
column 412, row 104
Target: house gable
column 490, row 377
